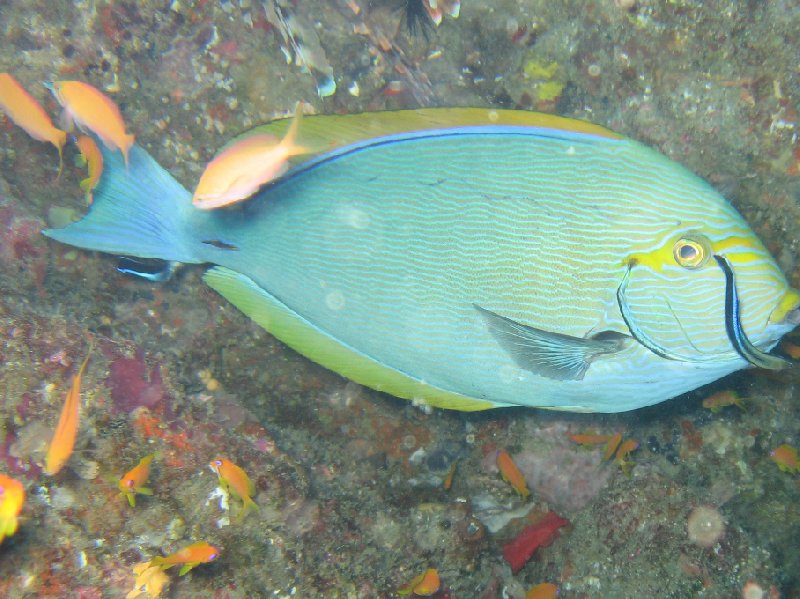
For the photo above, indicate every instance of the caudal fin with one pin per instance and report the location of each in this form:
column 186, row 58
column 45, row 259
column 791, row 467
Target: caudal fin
column 139, row 211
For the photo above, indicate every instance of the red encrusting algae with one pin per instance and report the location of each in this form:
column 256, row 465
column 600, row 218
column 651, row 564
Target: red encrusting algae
column 521, row 549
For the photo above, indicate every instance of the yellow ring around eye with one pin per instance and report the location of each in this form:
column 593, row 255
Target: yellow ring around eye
column 691, row 252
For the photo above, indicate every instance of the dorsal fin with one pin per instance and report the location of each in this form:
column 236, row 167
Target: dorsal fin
column 330, row 131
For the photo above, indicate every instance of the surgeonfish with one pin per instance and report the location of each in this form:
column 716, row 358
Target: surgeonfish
column 91, row 109
column 27, row 113
column 472, row 258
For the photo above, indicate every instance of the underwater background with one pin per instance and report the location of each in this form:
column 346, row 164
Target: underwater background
column 350, row 483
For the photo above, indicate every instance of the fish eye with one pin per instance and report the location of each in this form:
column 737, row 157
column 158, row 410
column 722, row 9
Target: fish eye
column 218, row 462
column 691, row 251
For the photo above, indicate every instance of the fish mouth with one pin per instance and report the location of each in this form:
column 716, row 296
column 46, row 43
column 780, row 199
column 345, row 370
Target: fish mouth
column 733, row 325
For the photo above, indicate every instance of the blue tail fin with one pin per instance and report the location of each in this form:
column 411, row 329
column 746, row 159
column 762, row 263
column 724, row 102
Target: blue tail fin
column 140, row 211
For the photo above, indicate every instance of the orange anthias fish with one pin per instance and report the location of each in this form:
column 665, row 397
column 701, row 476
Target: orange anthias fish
column 235, row 480
column 27, row 113
column 621, row 457
column 133, row 481
column 94, row 162
column 12, row 496
column 424, row 585
column 244, row 166
column 589, row 439
column 511, row 474
column 66, row 431
column 91, row 109
column 611, row 446
column 723, row 399
column 786, row 458
column 188, row 557
column 545, row 590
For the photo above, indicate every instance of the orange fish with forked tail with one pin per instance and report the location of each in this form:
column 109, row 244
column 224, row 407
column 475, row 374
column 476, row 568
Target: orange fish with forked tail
column 12, row 496
column 91, row 109
column 511, row 473
column 133, row 481
column 188, row 557
column 23, row 109
column 235, row 480
column 94, row 163
column 241, row 168
column 63, row 441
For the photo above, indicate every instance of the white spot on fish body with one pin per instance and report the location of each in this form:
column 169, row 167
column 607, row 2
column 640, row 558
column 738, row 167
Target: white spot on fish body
column 356, row 218
column 571, row 151
column 335, row 300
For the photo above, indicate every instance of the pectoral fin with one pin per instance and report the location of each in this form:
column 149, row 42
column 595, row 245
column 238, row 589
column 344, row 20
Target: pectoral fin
column 547, row 354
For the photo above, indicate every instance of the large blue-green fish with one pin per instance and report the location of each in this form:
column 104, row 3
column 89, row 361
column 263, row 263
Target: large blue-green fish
column 472, row 258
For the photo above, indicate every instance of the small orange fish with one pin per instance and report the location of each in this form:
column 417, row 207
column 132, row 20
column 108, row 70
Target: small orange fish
column 723, row 399
column 511, row 474
column 785, row 456
column 12, row 496
column 132, row 482
column 241, row 168
column 448, row 479
column 612, row 445
column 91, row 109
column 790, row 349
column 63, row 441
column 150, row 581
column 424, row 585
column 623, row 452
column 545, row 590
column 27, row 113
column 94, row 161
column 235, row 480
column 590, row 439
column 190, row 556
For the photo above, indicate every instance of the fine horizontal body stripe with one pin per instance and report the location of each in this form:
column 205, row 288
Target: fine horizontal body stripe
column 395, row 242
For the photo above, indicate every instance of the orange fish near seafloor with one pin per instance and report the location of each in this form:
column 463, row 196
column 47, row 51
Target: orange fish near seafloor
column 611, row 446
column 91, row 109
column 621, row 457
column 27, row 113
column 424, row 585
column 544, row 590
column 63, row 441
column 786, row 458
column 244, row 166
column 133, row 481
column 235, row 480
column 94, row 162
column 12, row 497
column 188, row 557
column 511, row 473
